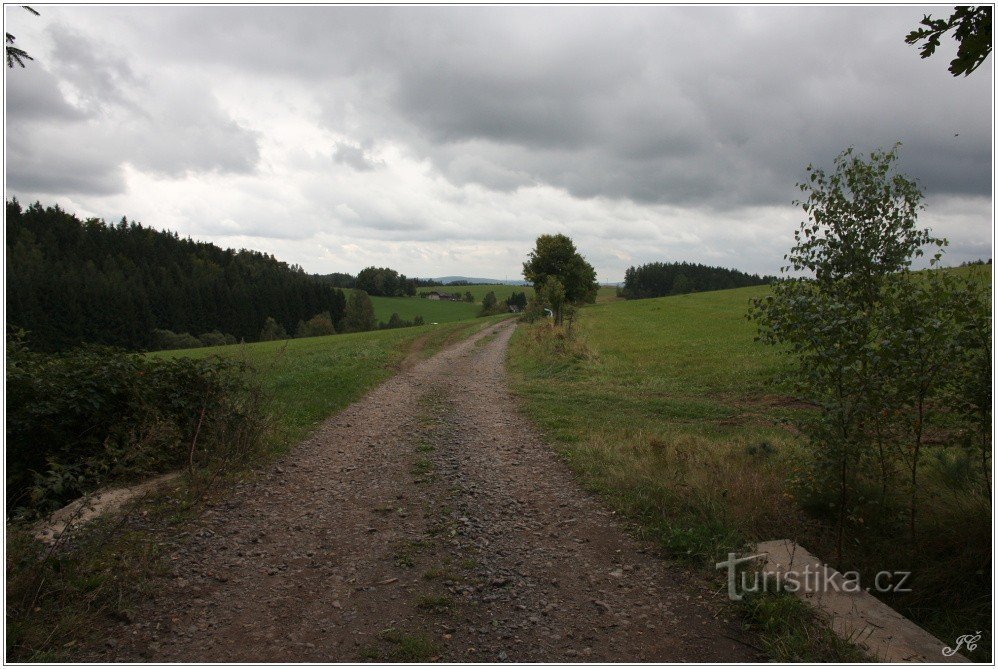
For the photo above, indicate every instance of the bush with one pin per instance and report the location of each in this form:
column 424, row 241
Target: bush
column 167, row 340
column 272, row 330
column 79, row 420
column 320, row 325
column 214, row 338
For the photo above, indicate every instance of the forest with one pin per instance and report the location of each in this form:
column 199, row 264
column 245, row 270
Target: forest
column 659, row 279
column 71, row 281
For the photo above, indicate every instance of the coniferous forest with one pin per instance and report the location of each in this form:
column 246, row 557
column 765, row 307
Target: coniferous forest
column 658, row 279
column 71, row 281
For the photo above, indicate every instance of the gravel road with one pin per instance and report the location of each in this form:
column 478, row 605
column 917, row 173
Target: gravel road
column 426, row 522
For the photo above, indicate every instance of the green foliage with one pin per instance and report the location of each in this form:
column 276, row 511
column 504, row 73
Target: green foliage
column 384, row 282
column 555, row 255
column 872, row 343
column 166, row 339
column 272, row 330
column 320, row 325
column 359, row 316
column 81, row 419
column 517, row 300
column 658, row 279
column 72, row 281
column 551, row 295
column 972, row 32
column 490, row 305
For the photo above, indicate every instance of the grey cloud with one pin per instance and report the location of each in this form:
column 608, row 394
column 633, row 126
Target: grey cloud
column 353, row 156
column 57, row 162
column 33, row 96
column 167, row 127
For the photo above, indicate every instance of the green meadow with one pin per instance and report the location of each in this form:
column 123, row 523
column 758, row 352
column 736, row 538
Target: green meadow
column 308, row 379
column 432, row 311
column 480, row 290
column 671, row 411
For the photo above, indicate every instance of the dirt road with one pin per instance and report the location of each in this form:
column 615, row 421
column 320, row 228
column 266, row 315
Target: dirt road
column 426, row 522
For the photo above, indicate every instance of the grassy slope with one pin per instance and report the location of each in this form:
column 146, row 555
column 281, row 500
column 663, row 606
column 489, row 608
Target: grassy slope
column 308, row 379
column 666, row 407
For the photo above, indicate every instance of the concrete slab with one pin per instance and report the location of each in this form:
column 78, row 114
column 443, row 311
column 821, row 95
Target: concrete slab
column 854, row 614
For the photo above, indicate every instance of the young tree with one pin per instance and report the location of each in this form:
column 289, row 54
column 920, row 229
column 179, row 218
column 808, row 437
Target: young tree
column 489, row 303
column 359, row 316
column 320, row 325
column 272, row 330
column 861, row 231
column 556, row 255
column 552, row 296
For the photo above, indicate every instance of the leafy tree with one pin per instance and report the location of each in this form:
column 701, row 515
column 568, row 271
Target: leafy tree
column 359, row 315
column 468, row 297
column 300, row 329
column 830, row 312
column 971, row 29
column 272, row 330
column 551, row 295
column 517, row 300
column 489, row 303
column 556, row 256
column 384, row 282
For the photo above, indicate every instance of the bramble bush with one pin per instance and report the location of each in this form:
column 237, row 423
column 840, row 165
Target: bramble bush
column 94, row 415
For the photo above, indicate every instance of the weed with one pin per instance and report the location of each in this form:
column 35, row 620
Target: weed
column 409, row 647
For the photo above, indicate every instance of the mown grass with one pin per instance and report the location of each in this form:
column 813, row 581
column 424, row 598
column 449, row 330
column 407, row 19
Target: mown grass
column 60, row 599
column 432, row 311
column 310, row 378
column 668, row 408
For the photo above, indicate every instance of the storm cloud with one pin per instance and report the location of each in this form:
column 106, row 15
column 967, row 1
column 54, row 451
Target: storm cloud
column 646, row 133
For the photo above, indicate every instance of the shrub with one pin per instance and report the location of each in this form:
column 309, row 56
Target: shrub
column 79, row 420
column 272, row 330
column 320, row 325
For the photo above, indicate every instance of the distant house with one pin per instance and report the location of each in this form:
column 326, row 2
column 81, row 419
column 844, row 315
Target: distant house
column 437, row 295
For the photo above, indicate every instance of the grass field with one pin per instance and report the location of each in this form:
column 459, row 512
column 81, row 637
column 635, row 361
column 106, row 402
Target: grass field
column 479, row 291
column 444, row 311
column 668, row 408
column 308, row 379
column 432, row 311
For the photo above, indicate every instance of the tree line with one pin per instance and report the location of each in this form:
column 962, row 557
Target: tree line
column 658, row 279
column 378, row 281
column 71, row 281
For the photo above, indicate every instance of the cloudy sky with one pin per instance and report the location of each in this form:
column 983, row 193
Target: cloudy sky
column 443, row 140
